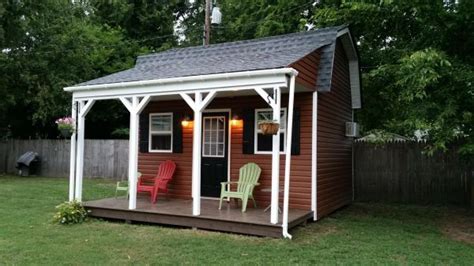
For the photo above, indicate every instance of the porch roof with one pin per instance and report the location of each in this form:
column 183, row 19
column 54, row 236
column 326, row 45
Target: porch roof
column 249, row 55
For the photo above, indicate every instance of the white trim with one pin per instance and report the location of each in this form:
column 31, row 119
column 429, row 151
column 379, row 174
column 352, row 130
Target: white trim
column 256, row 130
column 286, row 186
column 83, row 108
column 314, row 157
column 275, row 158
column 160, row 133
column 229, row 139
column 180, row 80
column 72, row 162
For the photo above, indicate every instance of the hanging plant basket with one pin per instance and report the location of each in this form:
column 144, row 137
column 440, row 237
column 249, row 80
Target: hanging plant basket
column 269, row 127
column 66, row 132
column 66, row 126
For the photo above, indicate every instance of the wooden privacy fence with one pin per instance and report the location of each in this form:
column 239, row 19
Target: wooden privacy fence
column 401, row 172
column 102, row 158
column 393, row 172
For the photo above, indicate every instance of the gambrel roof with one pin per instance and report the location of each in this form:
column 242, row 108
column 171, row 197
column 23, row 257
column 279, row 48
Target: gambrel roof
column 249, row 55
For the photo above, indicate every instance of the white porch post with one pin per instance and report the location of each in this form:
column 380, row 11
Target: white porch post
column 135, row 107
column 275, row 157
column 84, row 108
column 289, row 135
column 198, row 105
column 314, row 158
column 72, row 163
column 196, row 167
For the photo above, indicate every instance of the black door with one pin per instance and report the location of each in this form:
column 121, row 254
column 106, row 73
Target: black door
column 215, row 132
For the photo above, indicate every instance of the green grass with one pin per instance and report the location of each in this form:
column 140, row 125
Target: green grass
column 359, row 234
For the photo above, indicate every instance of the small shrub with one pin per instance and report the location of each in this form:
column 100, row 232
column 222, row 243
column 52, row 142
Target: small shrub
column 70, row 213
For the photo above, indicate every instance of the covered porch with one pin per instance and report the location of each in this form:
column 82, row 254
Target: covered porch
column 179, row 212
column 197, row 92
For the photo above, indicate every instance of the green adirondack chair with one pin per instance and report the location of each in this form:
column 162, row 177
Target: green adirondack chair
column 123, row 185
column 248, row 179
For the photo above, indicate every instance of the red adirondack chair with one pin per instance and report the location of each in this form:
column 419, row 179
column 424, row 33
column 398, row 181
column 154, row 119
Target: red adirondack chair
column 159, row 182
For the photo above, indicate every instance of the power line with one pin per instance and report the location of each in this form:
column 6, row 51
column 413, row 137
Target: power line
column 187, row 31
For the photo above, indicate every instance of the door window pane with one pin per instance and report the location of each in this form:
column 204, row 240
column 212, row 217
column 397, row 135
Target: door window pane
column 213, row 136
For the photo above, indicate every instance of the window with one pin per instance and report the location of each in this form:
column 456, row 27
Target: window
column 161, row 132
column 264, row 143
column 213, row 136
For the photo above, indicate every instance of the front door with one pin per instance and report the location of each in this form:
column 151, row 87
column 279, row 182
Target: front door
column 215, row 132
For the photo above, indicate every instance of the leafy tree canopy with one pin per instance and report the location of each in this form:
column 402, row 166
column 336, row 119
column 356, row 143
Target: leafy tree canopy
column 417, row 65
column 416, row 55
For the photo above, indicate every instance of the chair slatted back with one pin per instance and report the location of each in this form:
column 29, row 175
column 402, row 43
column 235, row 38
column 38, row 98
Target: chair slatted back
column 166, row 170
column 248, row 174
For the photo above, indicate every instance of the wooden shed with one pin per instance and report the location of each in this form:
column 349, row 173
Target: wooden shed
column 201, row 106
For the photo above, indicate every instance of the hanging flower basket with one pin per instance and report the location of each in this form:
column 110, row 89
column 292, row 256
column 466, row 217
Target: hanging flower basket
column 269, row 127
column 66, row 132
column 66, row 126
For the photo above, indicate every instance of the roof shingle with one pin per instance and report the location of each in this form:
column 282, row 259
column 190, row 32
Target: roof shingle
column 257, row 54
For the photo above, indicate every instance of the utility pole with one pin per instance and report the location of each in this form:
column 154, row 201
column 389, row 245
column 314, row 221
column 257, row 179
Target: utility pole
column 207, row 24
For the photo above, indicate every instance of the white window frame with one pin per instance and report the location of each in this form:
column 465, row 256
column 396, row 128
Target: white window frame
column 160, row 132
column 256, row 130
column 203, row 136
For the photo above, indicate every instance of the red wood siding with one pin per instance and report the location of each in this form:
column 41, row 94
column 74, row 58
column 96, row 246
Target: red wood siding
column 334, row 149
column 180, row 187
column 307, row 68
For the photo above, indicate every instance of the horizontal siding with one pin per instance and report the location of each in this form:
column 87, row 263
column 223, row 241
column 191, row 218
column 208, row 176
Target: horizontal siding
column 334, row 149
column 307, row 68
column 180, row 187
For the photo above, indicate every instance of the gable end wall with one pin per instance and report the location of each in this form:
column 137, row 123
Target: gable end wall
column 334, row 173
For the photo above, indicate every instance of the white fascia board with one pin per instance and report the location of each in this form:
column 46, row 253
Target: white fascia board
column 215, row 82
column 354, row 73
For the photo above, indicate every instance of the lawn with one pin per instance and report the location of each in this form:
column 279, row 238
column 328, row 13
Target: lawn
column 359, row 234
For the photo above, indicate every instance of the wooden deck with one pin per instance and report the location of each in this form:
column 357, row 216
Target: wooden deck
column 179, row 213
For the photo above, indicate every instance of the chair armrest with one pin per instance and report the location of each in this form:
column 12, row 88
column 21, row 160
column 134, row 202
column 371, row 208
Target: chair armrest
column 230, row 182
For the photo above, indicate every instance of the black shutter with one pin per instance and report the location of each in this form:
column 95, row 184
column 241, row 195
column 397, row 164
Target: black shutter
column 248, row 118
column 144, row 127
column 295, row 137
column 177, row 133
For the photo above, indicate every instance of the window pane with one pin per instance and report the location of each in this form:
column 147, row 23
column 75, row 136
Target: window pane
column 161, row 123
column 220, row 150
column 214, row 136
column 161, row 142
column 206, row 149
column 265, row 142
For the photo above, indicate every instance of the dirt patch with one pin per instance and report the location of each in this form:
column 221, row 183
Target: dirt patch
column 459, row 226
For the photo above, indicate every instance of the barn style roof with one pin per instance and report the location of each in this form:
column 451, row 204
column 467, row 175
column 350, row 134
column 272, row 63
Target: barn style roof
column 257, row 54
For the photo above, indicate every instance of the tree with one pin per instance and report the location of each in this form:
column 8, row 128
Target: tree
column 55, row 45
column 149, row 22
column 246, row 19
column 417, row 65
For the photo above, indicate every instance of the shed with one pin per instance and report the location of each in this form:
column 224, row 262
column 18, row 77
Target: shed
column 201, row 106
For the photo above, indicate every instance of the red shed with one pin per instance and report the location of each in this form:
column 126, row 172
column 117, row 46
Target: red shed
column 201, row 107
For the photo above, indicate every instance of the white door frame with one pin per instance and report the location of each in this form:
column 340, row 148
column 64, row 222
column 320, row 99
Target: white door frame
column 229, row 139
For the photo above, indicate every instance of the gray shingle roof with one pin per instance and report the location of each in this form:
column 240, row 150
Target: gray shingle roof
column 257, row 54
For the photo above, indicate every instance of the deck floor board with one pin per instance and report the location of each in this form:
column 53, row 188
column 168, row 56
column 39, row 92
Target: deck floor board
column 179, row 212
